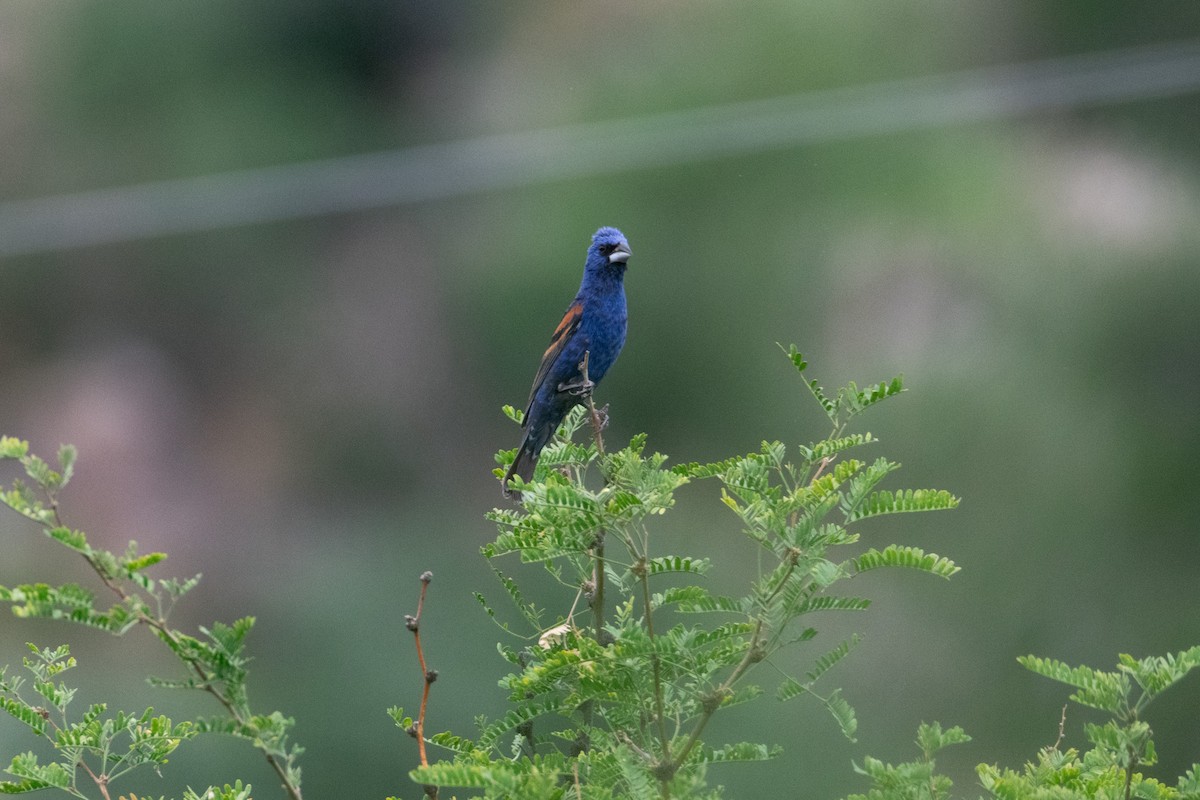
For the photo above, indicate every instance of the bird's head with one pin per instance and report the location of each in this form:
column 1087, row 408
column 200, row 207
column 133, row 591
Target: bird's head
column 609, row 250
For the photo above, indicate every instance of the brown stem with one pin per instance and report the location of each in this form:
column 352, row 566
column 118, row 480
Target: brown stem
column 753, row 655
column 598, row 581
column 598, row 594
column 1133, row 763
column 596, row 426
column 100, row 780
column 427, row 675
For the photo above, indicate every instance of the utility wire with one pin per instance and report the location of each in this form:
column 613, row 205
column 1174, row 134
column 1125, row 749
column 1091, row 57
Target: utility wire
column 438, row 171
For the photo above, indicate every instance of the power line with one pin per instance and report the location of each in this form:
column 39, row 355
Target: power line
column 437, row 171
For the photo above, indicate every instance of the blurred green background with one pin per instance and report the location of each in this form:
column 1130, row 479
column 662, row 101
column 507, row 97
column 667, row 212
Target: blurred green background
column 306, row 410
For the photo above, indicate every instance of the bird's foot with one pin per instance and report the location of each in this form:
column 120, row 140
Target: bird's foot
column 601, row 418
column 577, row 388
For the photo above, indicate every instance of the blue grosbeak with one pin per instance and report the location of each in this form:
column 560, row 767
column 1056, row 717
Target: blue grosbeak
column 593, row 325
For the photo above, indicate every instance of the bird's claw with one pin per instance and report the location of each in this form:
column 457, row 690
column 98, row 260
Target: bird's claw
column 577, row 388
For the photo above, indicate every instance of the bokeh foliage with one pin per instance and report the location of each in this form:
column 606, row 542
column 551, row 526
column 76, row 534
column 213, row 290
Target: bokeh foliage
column 335, row 380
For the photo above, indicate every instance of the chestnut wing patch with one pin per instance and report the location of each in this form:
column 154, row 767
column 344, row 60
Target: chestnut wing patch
column 562, row 334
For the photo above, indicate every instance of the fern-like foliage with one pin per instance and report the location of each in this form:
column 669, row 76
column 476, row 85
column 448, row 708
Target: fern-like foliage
column 614, row 690
column 95, row 743
column 214, row 662
column 912, row 780
column 1109, row 770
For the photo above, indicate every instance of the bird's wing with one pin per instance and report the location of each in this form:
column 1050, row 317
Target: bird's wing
column 558, row 342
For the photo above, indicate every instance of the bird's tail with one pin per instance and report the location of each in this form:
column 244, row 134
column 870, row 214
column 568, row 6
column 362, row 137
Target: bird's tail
column 526, row 460
column 522, row 466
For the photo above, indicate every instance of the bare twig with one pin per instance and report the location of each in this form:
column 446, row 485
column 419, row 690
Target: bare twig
column 413, row 623
column 1062, row 724
column 821, row 468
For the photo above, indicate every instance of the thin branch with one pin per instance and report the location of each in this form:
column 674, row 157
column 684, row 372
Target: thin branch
column 1062, row 724
column 598, row 579
column 754, row 654
column 413, row 623
column 598, row 594
column 597, row 425
column 644, row 578
column 166, row 633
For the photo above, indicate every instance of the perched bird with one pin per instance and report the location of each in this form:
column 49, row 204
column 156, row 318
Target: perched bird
column 594, row 324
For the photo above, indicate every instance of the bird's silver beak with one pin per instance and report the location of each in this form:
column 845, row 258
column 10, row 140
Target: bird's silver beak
column 620, row 255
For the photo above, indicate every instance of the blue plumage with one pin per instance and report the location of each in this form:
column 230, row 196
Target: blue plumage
column 594, row 323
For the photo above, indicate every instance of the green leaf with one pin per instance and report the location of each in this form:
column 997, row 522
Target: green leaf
column 13, row 448
column 931, row 738
column 830, row 448
column 37, row 776
column 843, row 713
column 1108, row 691
column 668, row 564
column 23, row 500
column 859, row 487
column 25, row 713
column 235, row 792
column 1189, row 783
column 66, row 460
column 826, row 602
column 446, row 773
column 743, row 695
column 742, row 751
column 909, row 500
column 142, row 562
column 636, row 775
column 713, row 603
column 402, row 720
column 76, row 540
column 795, row 357
column 1156, row 674
column 855, row 401
column 789, row 689
column 176, row 588
column 700, row 471
column 831, row 409
column 67, row 602
column 824, row 663
column 457, row 744
column 531, row 613
column 908, row 557
column 515, row 717
column 40, row 472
